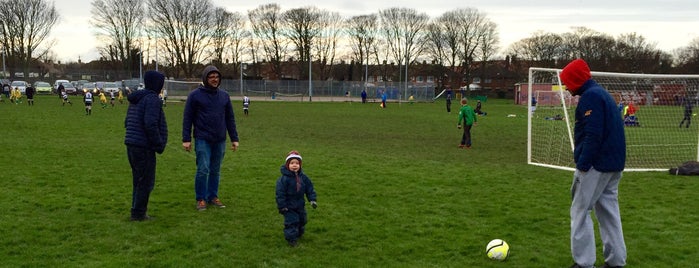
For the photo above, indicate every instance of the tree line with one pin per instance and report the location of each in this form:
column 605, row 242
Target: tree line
column 184, row 34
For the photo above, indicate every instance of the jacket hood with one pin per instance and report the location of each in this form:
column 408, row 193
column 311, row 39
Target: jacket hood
column 209, row 69
column 154, row 81
column 575, row 74
column 137, row 95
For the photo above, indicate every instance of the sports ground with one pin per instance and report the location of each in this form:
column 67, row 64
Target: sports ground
column 393, row 191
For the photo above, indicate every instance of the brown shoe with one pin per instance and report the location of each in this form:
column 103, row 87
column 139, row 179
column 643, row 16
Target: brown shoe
column 201, row 205
column 217, row 202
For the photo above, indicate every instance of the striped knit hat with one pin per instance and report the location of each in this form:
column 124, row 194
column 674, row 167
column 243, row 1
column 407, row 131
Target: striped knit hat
column 292, row 155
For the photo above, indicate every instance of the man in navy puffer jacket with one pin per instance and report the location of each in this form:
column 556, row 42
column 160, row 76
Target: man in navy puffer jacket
column 146, row 134
column 208, row 113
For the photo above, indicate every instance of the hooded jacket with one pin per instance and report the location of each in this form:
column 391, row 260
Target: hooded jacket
column 287, row 194
column 599, row 131
column 210, row 111
column 145, row 120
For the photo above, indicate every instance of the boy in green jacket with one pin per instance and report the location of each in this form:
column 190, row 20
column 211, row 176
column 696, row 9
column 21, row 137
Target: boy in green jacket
column 468, row 117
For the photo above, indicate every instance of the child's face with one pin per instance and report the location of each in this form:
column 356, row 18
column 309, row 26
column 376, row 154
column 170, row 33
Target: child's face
column 294, row 165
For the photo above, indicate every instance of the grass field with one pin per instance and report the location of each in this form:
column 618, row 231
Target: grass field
column 393, row 191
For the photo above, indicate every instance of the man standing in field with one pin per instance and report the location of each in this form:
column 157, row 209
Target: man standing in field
column 600, row 156
column 146, row 134
column 210, row 111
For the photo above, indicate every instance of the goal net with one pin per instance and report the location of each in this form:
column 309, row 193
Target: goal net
column 179, row 89
column 655, row 138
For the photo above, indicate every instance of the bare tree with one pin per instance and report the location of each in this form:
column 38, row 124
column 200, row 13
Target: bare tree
column 490, row 42
column 460, row 38
column 238, row 37
column 266, row 22
column 444, row 41
column 633, row 53
column 542, row 47
column 325, row 44
column 362, row 31
column 119, row 24
column 473, row 31
column 220, row 38
column 24, row 29
column 303, row 27
column 186, row 27
column 687, row 58
column 402, row 29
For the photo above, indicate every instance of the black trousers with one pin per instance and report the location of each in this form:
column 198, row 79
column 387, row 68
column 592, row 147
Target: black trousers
column 466, row 138
column 142, row 162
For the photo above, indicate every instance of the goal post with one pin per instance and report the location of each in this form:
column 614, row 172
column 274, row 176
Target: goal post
column 655, row 140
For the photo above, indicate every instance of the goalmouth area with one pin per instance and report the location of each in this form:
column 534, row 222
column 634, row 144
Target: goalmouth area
column 655, row 139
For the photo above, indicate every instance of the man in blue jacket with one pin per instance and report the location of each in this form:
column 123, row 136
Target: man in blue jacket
column 146, row 134
column 600, row 156
column 210, row 111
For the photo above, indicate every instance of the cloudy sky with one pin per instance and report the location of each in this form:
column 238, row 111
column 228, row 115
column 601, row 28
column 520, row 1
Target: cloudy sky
column 669, row 24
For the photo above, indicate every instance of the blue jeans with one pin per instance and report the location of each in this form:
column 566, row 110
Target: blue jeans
column 209, row 157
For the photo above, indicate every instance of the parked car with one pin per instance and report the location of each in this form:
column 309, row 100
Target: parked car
column 81, row 83
column 21, row 85
column 42, row 87
column 89, row 86
column 109, row 87
column 69, row 88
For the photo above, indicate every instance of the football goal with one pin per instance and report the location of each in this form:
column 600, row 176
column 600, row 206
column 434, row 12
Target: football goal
column 655, row 138
column 176, row 88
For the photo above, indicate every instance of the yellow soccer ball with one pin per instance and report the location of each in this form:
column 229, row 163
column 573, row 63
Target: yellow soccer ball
column 497, row 249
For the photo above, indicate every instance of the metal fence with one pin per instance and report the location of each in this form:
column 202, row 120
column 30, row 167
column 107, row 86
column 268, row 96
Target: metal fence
column 328, row 90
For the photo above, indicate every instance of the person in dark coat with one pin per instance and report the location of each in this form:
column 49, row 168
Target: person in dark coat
column 146, row 134
column 30, row 91
column 208, row 113
column 687, row 112
column 291, row 188
column 600, row 157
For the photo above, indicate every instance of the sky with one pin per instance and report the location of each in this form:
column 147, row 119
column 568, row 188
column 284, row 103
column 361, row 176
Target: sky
column 669, row 24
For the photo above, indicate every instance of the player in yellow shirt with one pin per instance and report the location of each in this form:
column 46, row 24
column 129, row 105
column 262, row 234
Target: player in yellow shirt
column 103, row 100
column 17, row 95
column 120, row 97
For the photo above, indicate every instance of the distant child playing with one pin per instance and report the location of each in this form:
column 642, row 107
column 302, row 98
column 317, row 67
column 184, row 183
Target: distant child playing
column 246, row 105
column 64, row 96
column 103, row 99
column 468, row 117
column 291, row 188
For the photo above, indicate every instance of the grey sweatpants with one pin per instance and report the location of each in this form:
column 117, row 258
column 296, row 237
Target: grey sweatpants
column 598, row 191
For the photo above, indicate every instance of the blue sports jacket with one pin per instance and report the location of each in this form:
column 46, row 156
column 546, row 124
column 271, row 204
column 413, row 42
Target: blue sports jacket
column 599, row 131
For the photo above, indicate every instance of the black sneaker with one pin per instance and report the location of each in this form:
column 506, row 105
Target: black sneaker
column 293, row 243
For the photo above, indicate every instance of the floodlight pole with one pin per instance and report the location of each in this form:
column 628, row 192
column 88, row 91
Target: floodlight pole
column 3, row 65
column 242, row 65
column 140, row 66
column 310, row 74
column 156, row 54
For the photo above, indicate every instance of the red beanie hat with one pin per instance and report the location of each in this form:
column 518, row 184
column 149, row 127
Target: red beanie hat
column 575, row 74
column 292, row 155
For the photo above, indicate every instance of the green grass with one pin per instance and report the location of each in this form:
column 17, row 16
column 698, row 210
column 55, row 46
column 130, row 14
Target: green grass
column 393, row 191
